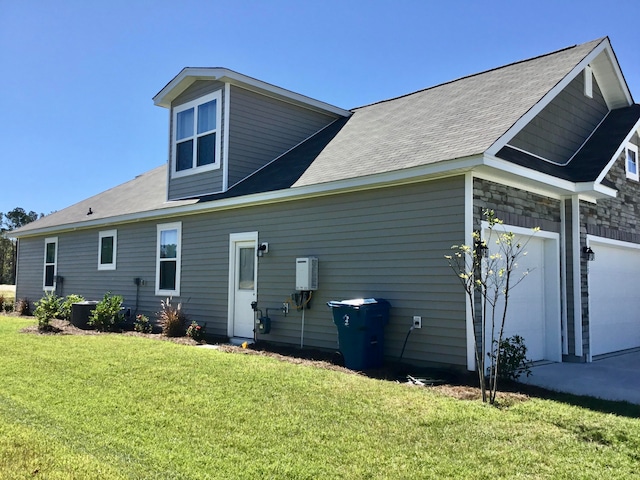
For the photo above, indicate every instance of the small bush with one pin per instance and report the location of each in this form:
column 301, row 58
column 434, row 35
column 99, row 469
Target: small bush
column 2, row 302
column 142, row 324
column 65, row 306
column 8, row 306
column 23, row 306
column 47, row 308
column 172, row 319
column 107, row 315
column 512, row 361
column 195, row 331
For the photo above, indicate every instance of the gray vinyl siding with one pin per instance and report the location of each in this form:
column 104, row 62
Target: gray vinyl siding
column 559, row 130
column 200, row 183
column 386, row 243
column 262, row 128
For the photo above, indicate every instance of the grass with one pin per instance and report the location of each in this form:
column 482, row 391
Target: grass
column 114, row 406
column 8, row 292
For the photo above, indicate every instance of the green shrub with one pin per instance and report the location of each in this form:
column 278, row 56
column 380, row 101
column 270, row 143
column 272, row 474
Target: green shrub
column 142, row 324
column 65, row 306
column 107, row 315
column 23, row 306
column 47, row 308
column 8, row 306
column 195, row 331
column 512, row 361
column 172, row 319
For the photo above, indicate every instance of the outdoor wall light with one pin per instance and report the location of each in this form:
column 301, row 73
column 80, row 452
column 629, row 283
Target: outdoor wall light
column 588, row 254
column 482, row 251
column 262, row 249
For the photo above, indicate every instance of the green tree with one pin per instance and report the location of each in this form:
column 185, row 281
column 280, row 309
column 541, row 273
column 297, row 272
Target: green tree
column 487, row 277
column 16, row 218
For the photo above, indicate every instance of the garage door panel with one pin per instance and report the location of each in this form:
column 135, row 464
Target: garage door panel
column 614, row 298
column 526, row 312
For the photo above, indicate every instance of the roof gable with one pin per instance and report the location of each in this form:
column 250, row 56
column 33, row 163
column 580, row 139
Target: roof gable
column 462, row 118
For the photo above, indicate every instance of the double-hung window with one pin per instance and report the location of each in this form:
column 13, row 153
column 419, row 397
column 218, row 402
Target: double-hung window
column 631, row 161
column 107, row 249
column 168, row 259
column 50, row 264
column 196, row 134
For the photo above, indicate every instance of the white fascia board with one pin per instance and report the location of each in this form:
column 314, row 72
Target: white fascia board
column 189, row 75
column 549, row 96
column 621, row 147
column 396, row 177
column 538, row 182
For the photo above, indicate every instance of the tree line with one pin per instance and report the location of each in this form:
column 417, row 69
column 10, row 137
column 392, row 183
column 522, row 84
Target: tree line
column 16, row 218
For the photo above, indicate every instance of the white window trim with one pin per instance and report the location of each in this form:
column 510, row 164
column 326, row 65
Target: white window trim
column 160, row 228
column 217, row 95
column 50, row 288
column 101, row 235
column 630, row 175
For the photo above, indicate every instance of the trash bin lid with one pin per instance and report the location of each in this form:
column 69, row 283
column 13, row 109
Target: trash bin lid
column 355, row 302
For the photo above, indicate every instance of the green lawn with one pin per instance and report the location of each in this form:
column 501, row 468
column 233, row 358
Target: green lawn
column 114, row 406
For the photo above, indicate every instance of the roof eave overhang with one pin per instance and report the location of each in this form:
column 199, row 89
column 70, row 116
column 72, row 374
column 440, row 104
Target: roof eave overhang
column 189, row 75
column 397, row 177
column 496, row 169
column 482, row 166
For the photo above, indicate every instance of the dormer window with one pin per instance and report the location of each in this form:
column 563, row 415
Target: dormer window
column 631, row 161
column 196, row 130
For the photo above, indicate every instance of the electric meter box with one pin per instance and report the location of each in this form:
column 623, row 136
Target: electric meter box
column 306, row 273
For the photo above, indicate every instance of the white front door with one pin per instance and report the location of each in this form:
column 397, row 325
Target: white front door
column 242, row 286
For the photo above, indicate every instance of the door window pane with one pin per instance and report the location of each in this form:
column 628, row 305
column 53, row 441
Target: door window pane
column 246, row 268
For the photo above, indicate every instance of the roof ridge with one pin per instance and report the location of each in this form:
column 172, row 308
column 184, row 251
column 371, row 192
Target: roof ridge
column 555, row 52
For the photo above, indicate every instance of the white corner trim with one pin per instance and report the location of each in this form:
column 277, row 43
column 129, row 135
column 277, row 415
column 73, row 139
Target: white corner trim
column 225, row 139
column 563, row 277
column 468, row 240
column 577, row 277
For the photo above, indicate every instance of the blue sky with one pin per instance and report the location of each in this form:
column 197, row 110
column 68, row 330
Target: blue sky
column 78, row 77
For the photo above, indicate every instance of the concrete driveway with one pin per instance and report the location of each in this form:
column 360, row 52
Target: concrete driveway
column 613, row 378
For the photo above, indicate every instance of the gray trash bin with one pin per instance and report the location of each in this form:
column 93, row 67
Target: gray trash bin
column 361, row 325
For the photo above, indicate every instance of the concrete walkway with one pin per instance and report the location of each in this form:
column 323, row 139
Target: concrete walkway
column 613, row 378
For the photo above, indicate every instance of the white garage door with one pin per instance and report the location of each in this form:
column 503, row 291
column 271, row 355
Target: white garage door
column 534, row 304
column 614, row 297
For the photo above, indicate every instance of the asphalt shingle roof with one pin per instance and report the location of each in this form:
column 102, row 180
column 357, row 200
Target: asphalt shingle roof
column 454, row 120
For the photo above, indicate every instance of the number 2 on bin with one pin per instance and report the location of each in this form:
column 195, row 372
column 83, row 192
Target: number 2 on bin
column 346, row 320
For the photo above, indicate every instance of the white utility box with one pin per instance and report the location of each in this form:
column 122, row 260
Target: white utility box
column 306, row 274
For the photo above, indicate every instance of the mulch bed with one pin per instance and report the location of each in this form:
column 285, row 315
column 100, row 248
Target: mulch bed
column 452, row 384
